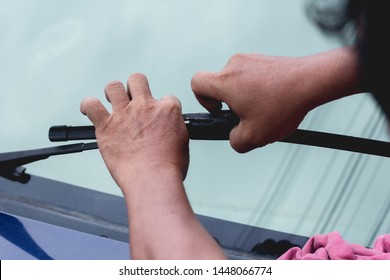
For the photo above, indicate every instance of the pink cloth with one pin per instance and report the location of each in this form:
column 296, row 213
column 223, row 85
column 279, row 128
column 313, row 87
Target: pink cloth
column 333, row 247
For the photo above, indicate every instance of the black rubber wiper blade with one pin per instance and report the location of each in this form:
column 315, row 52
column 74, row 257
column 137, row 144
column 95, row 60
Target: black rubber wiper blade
column 207, row 126
column 200, row 126
column 339, row 142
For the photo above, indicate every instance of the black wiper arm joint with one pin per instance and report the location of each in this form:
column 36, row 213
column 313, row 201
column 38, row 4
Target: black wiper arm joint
column 11, row 162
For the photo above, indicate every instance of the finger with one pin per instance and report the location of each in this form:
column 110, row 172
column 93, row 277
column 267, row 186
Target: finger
column 239, row 139
column 94, row 110
column 116, row 95
column 173, row 99
column 205, row 85
column 209, row 104
column 138, row 86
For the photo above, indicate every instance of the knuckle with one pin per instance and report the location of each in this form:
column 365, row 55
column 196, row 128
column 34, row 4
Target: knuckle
column 172, row 105
column 236, row 57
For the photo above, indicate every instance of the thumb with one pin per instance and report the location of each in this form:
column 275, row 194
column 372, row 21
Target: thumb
column 205, row 85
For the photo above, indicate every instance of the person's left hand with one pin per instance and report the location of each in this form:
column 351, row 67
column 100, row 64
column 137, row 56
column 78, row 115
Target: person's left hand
column 141, row 132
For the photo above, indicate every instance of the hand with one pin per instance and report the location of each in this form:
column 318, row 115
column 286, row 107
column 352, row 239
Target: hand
column 141, row 132
column 271, row 94
column 265, row 93
column 144, row 143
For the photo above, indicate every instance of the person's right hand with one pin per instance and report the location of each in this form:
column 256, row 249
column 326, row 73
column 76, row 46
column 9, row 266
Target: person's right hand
column 271, row 94
column 265, row 93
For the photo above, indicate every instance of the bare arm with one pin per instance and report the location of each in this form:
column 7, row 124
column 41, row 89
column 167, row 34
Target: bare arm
column 144, row 144
column 272, row 95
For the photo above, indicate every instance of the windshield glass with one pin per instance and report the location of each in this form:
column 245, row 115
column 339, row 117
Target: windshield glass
column 56, row 53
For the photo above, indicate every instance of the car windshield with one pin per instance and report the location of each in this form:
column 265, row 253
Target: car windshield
column 56, row 53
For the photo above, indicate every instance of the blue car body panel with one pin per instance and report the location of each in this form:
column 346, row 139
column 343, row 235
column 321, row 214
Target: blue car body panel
column 46, row 219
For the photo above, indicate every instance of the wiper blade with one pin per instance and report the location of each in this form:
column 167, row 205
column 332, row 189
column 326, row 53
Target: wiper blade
column 339, row 142
column 207, row 126
column 200, row 126
column 203, row 126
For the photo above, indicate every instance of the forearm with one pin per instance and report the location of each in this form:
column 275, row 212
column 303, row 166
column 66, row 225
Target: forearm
column 329, row 76
column 161, row 221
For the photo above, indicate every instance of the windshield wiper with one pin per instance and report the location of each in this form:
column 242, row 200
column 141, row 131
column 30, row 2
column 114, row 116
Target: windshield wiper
column 11, row 162
column 206, row 126
column 201, row 126
column 15, row 159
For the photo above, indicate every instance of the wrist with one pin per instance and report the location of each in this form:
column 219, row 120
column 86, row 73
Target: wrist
column 131, row 177
column 329, row 76
column 149, row 189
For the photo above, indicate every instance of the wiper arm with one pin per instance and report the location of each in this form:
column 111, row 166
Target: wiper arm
column 10, row 162
column 15, row 159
